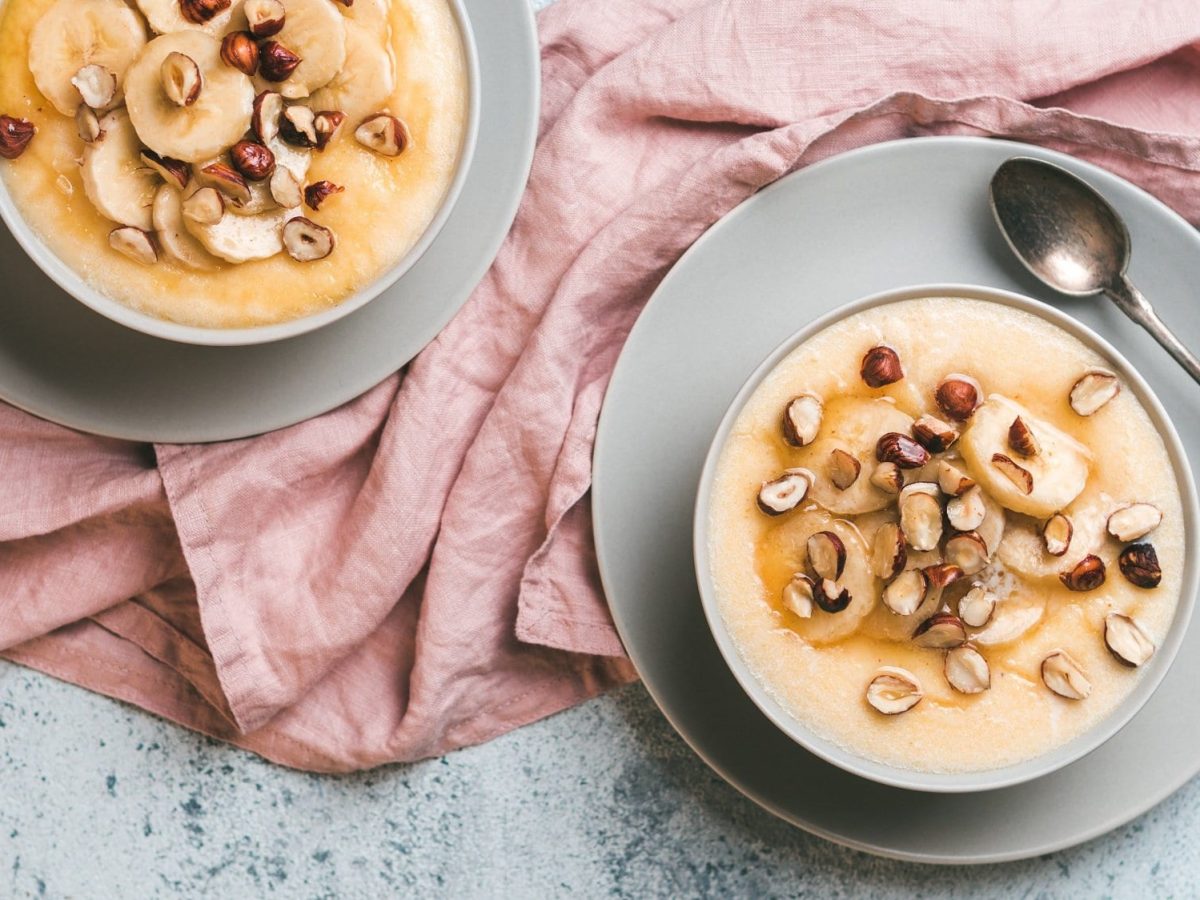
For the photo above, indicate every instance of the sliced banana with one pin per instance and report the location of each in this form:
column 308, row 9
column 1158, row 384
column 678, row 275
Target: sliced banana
column 72, row 34
column 115, row 179
column 792, row 539
column 241, row 239
column 1024, row 549
column 367, row 79
column 316, row 32
column 1014, row 616
column 853, row 426
column 166, row 17
column 173, row 235
column 261, row 200
column 216, row 121
column 994, row 520
column 1057, row 474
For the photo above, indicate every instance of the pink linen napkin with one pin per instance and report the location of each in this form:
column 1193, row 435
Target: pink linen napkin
column 414, row 572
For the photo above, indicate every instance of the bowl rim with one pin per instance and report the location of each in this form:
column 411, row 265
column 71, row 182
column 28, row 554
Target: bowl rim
column 1005, row 776
column 74, row 284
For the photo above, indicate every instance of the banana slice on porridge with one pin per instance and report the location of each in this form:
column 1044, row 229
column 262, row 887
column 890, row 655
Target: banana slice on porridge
column 844, row 454
column 74, row 34
column 367, row 79
column 315, row 32
column 1027, row 464
column 115, row 179
column 184, row 101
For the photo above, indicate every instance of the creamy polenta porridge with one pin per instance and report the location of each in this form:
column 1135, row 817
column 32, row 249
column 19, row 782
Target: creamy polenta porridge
column 230, row 163
column 946, row 555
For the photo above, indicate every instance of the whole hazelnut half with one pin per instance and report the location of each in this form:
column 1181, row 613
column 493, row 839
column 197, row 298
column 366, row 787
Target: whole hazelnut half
column 276, row 62
column 240, row 51
column 1139, row 564
column 959, row 396
column 253, row 160
column 881, row 367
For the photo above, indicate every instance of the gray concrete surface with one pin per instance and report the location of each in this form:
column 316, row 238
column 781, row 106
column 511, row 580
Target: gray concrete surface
column 99, row 800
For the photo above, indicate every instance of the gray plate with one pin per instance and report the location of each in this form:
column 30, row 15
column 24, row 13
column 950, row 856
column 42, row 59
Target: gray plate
column 907, row 212
column 65, row 363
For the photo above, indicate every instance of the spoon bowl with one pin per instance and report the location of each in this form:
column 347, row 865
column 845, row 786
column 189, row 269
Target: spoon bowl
column 1070, row 238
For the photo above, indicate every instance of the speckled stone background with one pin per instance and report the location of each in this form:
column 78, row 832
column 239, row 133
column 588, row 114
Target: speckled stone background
column 98, row 800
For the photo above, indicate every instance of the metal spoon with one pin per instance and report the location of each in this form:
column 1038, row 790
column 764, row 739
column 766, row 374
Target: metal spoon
column 1068, row 236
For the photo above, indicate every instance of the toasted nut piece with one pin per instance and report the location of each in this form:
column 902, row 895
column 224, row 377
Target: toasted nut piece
column 952, row 480
column 798, row 595
column 206, row 206
column 1057, row 533
column 96, row 85
column 268, row 110
column 933, row 434
column 383, row 133
column 239, row 50
column 905, row 593
column 276, row 62
column 1017, row 474
column 941, row 631
column 285, row 189
column 784, row 493
column 181, row 78
column 958, row 396
column 843, row 469
column 87, row 124
column 802, row 419
column 881, row 367
column 201, row 11
column 1127, row 641
column 297, row 126
column 889, row 552
column 831, row 596
column 1064, row 676
column 894, row 690
column 318, row 193
column 967, row 512
column 15, row 135
column 902, row 450
column 888, row 478
column 1139, row 564
column 1094, row 390
column 976, row 606
column 826, row 555
column 1087, row 575
column 138, row 245
column 327, row 124
column 265, row 18
column 967, row 551
column 941, row 576
column 226, row 180
column 921, row 516
column 1021, row 439
column 967, row 671
column 254, row 161
column 174, row 172
column 306, row 241
column 1134, row 521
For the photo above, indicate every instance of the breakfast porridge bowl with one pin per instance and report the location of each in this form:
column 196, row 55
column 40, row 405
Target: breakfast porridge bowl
column 946, row 539
column 232, row 172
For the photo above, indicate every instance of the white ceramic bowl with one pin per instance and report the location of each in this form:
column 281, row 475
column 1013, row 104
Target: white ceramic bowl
column 1150, row 676
column 67, row 278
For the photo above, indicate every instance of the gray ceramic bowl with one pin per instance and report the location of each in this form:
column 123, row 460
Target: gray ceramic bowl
column 1151, row 675
column 67, row 278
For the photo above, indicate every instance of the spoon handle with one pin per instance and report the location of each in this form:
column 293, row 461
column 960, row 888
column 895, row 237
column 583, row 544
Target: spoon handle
column 1131, row 302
